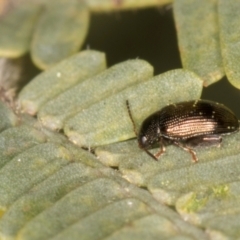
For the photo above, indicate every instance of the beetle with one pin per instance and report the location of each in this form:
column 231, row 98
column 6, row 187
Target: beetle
column 186, row 125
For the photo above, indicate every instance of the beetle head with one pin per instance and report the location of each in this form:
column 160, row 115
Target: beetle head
column 149, row 133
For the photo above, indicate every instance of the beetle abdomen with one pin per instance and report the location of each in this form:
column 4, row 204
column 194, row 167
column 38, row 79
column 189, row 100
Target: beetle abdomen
column 195, row 118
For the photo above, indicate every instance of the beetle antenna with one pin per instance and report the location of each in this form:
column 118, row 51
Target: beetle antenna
column 150, row 154
column 131, row 117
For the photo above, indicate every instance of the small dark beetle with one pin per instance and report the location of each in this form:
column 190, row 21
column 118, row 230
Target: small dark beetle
column 187, row 125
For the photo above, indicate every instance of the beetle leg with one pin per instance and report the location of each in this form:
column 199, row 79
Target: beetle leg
column 159, row 153
column 162, row 149
column 194, row 156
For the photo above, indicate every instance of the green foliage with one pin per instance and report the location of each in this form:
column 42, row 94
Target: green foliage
column 208, row 36
column 56, row 112
column 54, row 30
column 229, row 33
column 59, row 78
column 60, row 31
column 113, row 125
column 15, row 43
column 199, row 40
column 52, row 188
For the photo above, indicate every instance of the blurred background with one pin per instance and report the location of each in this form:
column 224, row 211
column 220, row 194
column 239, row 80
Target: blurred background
column 147, row 34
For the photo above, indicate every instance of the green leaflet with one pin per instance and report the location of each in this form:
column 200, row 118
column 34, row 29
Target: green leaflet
column 112, row 154
column 216, row 208
column 108, row 5
column 58, row 79
column 16, row 30
column 22, row 138
column 60, row 32
column 108, row 121
column 23, row 171
column 54, row 113
column 83, row 201
column 105, row 220
column 229, row 35
column 198, row 38
column 79, row 195
column 146, row 225
column 167, row 187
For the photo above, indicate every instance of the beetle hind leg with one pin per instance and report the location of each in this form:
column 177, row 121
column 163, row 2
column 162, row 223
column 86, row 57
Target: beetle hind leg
column 199, row 141
column 193, row 154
